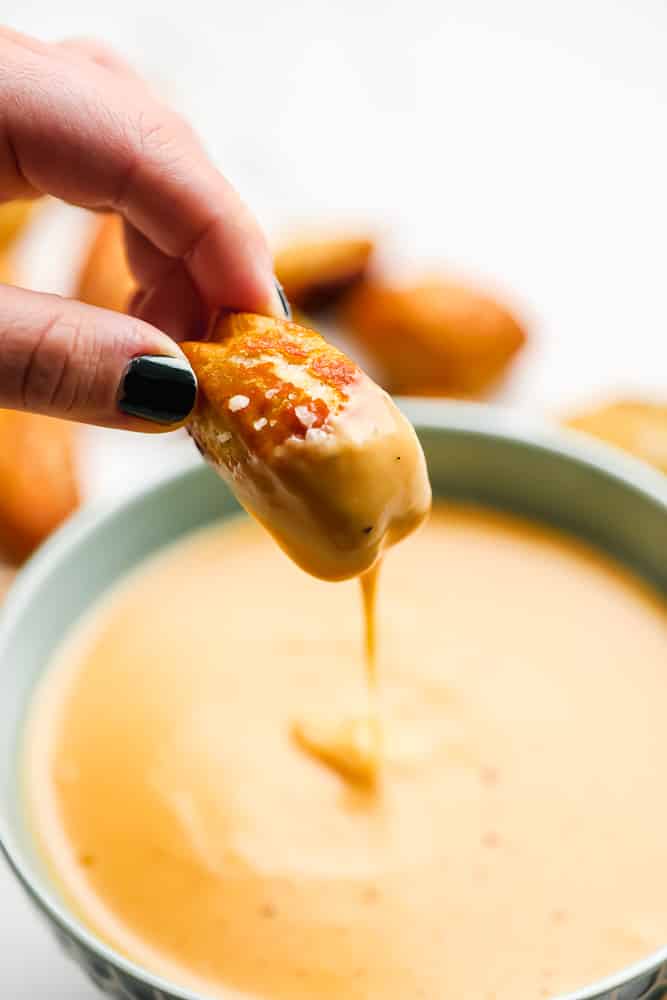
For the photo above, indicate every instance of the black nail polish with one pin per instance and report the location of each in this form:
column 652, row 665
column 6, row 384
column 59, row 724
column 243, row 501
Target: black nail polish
column 283, row 299
column 156, row 388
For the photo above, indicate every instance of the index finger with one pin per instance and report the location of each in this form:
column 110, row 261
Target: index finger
column 74, row 130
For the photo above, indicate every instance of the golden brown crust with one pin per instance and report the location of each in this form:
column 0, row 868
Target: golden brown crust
column 38, row 484
column 635, row 426
column 292, row 378
column 315, row 273
column 105, row 279
column 14, row 216
column 433, row 338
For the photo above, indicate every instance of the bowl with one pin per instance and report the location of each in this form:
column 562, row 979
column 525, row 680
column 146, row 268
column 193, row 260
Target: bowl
column 475, row 453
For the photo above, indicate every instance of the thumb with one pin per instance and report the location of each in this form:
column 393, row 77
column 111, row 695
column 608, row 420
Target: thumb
column 66, row 359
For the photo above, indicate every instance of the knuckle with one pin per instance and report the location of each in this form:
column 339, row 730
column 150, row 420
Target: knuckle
column 22, row 350
column 158, row 132
column 61, row 371
column 153, row 144
column 46, row 363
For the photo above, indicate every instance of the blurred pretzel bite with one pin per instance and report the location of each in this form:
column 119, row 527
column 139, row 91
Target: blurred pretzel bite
column 38, row 487
column 105, row 279
column 638, row 427
column 433, row 338
column 6, row 269
column 315, row 273
column 14, row 216
column 309, row 444
column 7, row 575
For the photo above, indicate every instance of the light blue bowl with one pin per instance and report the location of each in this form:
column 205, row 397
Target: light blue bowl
column 474, row 453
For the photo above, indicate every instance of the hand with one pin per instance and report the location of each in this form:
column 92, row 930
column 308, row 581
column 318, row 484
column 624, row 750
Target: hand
column 77, row 123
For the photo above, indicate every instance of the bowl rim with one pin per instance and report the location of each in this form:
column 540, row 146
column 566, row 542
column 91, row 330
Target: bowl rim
column 488, row 420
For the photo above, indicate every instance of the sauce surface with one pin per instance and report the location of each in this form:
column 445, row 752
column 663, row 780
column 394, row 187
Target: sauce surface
column 513, row 847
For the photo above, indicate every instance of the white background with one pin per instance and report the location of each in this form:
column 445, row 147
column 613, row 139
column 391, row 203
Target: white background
column 522, row 144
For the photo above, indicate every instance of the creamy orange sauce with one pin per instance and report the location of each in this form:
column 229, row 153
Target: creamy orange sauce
column 513, row 847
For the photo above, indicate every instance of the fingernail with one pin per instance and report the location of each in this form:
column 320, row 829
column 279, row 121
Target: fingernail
column 160, row 389
column 283, row 299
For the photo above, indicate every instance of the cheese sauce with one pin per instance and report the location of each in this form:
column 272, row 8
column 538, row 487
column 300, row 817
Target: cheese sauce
column 513, row 844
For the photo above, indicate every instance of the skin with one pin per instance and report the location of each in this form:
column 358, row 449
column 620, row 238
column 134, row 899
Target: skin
column 76, row 122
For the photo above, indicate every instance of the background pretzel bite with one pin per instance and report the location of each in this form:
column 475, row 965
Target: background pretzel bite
column 105, row 279
column 6, row 270
column 14, row 216
column 637, row 427
column 315, row 273
column 38, row 486
column 434, row 338
column 310, row 445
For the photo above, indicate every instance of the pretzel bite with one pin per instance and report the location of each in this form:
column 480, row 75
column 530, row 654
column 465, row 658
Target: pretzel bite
column 7, row 575
column 105, row 279
column 14, row 216
column 315, row 273
column 6, row 270
column 434, row 338
column 38, row 487
column 309, row 444
column 638, row 427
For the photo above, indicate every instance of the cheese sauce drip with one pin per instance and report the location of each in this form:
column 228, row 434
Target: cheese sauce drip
column 352, row 745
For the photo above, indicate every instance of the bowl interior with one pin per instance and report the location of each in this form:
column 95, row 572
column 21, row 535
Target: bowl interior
column 474, row 453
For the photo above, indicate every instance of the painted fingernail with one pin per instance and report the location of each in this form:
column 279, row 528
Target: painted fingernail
column 160, row 389
column 287, row 309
